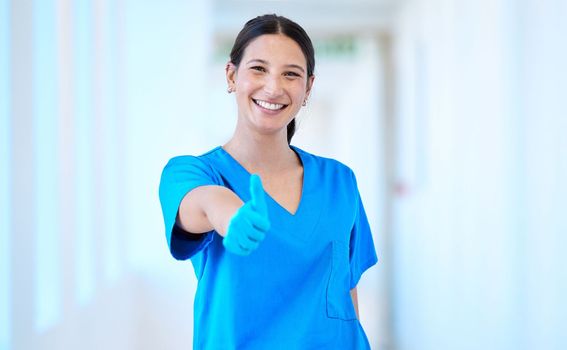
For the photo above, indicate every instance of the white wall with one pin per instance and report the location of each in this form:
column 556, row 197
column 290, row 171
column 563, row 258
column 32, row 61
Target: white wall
column 95, row 96
column 479, row 225
column 167, row 51
column 5, row 181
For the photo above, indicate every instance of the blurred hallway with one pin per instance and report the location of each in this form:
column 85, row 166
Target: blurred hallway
column 451, row 113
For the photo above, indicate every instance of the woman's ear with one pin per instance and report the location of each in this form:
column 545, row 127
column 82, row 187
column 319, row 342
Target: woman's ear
column 230, row 71
column 310, row 81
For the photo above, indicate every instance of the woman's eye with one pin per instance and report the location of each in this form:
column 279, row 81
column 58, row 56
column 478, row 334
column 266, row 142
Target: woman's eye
column 292, row 74
column 258, row 68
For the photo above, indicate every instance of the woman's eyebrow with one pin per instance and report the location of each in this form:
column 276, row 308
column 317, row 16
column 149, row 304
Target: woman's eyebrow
column 296, row 66
column 258, row 60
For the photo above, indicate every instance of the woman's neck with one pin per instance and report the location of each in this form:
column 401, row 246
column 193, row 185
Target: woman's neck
column 262, row 153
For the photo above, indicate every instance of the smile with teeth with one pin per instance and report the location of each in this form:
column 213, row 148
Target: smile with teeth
column 270, row 106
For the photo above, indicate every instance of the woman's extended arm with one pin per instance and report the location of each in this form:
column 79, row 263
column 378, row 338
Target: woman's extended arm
column 206, row 208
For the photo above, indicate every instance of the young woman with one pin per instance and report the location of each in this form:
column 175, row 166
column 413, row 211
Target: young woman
column 278, row 237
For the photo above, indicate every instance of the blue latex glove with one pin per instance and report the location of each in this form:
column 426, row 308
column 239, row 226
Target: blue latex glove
column 248, row 227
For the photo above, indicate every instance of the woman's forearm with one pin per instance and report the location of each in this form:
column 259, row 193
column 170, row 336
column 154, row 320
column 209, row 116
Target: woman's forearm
column 208, row 207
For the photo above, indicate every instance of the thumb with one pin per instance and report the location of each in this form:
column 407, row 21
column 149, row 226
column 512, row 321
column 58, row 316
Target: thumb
column 257, row 194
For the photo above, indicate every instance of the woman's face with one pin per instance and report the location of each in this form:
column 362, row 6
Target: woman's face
column 270, row 83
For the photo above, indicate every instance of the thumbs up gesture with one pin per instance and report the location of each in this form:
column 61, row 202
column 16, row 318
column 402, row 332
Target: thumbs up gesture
column 248, row 226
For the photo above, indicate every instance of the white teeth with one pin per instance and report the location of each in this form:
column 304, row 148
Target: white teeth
column 267, row 105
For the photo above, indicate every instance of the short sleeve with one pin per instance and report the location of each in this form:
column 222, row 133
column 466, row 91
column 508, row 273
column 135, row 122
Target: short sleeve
column 362, row 253
column 181, row 175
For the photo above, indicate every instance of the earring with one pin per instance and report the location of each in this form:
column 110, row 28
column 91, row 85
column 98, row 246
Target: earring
column 229, row 90
column 304, row 103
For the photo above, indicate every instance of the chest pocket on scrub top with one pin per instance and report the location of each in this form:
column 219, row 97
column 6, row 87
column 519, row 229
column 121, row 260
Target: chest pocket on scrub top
column 339, row 302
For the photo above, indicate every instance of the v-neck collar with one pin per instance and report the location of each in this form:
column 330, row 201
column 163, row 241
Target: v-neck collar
column 299, row 227
column 270, row 198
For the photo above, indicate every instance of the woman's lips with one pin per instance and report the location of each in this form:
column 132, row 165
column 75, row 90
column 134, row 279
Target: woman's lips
column 269, row 106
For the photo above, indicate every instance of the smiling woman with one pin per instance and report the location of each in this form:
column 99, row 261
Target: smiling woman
column 278, row 237
column 271, row 85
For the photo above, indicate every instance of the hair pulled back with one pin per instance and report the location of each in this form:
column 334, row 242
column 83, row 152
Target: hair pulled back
column 274, row 24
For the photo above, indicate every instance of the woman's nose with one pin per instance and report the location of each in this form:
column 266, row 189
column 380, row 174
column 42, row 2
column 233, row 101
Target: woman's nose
column 273, row 86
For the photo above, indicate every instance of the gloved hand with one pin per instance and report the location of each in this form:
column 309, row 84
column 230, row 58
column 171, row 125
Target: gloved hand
column 248, row 227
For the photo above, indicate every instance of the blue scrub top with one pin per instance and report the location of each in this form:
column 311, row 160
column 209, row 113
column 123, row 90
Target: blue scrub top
column 293, row 292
